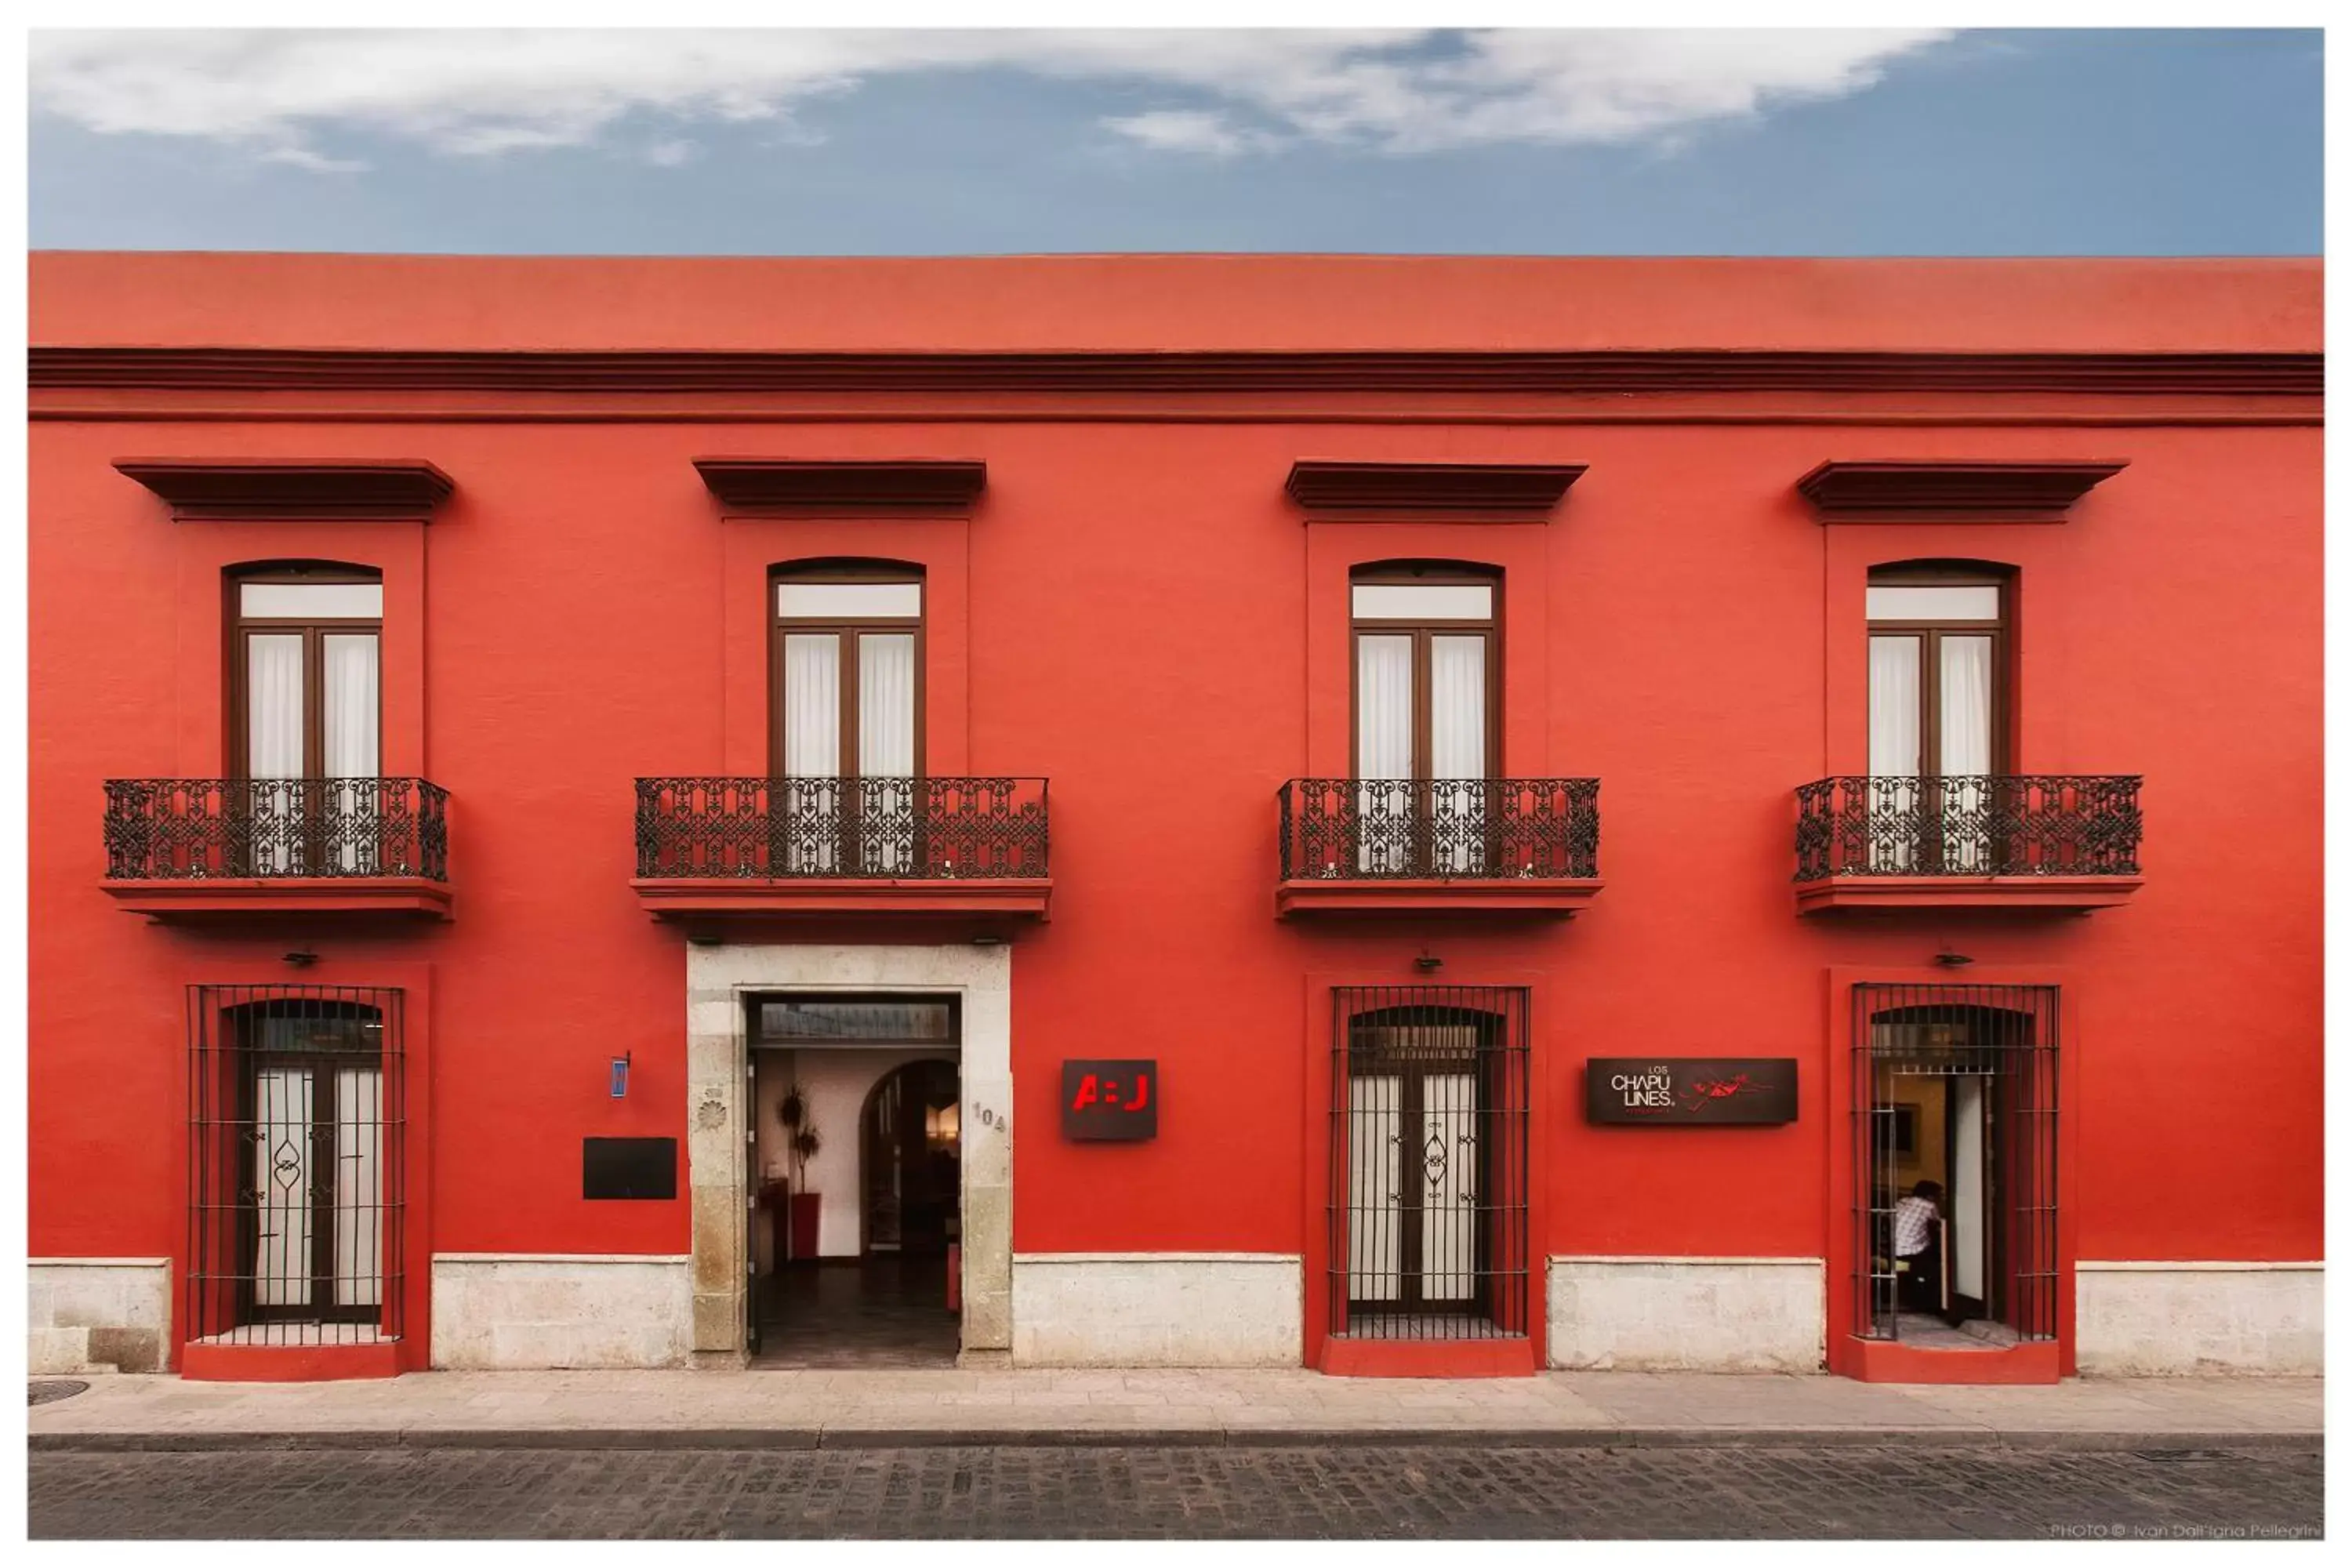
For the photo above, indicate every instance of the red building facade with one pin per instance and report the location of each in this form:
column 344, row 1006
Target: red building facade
column 1399, row 816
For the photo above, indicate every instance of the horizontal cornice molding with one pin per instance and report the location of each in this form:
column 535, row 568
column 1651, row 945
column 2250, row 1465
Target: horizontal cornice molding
column 1355, row 490
column 365, row 489
column 1951, row 491
column 1583, row 373
column 803, row 484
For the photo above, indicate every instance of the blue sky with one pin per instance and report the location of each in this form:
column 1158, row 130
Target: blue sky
column 1802, row 143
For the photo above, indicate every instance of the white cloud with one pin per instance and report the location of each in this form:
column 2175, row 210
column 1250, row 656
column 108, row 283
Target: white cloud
column 491, row 91
column 1183, row 130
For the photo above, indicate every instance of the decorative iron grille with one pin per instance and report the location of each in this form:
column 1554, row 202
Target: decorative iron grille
column 1429, row 1162
column 925, row 829
column 1346, row 829
column 1970, row 825
column 298, row 1164
column 190, row 829
column 2002, row 1043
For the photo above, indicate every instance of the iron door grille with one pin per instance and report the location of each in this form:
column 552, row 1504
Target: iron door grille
column 298, row 1164
column 1428, row 1177
column 2006, row 1037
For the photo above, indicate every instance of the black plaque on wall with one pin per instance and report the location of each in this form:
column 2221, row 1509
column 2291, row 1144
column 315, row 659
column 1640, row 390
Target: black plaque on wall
column 1691, row 1091
column 628, row 1167
column 1111, row 1101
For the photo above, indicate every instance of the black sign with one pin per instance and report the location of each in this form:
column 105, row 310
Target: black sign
column 628, row 1167
column 1111, row 1101
column 1691, row 1091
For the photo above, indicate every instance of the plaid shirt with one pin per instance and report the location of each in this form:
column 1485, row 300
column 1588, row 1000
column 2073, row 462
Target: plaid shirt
column 1913, row 1216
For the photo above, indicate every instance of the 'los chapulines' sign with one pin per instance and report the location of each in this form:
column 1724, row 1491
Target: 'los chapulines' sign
column 1691, row 1091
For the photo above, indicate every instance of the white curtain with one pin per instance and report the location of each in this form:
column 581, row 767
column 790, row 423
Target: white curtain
column 885, row 748
column 886, row 705
column 1383, row 751
column 813, row 705
column 1457, row 749
column 1967, row 717
column 811, row 747
column 273, row 707
column 1893, row 744
column 1894, row 707
column 273, row 746
column 1965, row 743
column 351, row 701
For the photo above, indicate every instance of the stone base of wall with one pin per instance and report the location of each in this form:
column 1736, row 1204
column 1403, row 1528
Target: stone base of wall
column 516, row 1311
column 1157, row 1309
column 97, row 1314
column 1685, row 1314
column 2141, row 1319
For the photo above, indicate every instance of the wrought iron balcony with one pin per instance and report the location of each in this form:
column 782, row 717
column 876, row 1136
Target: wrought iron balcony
column 191, row 829
column 238, row 845
column 878, row 842
column 1449, row 839
column 2068, row 840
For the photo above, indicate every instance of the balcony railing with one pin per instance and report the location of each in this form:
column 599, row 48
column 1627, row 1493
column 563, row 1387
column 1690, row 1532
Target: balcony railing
column 1487, row 829
column 926, row 829
column 187, row 830
column 1973, row 824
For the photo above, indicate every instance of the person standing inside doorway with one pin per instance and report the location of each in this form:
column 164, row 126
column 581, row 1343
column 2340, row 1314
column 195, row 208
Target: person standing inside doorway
column 1919, row 1259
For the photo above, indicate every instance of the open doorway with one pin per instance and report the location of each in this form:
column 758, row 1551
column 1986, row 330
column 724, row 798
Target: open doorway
column 1957, row 1179
column 855, row 1172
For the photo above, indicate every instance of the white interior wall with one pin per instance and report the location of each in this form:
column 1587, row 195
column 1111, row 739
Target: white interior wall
column 835, row 1083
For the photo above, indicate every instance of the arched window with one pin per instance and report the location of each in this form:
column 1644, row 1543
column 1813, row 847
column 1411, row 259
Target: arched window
column 306, row 666
column 848, row 669
column 1426, row 671
column 1940, row 655
column 1427, row 663
column 849, row 717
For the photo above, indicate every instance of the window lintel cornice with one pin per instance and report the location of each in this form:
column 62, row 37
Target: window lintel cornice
column 240, row 489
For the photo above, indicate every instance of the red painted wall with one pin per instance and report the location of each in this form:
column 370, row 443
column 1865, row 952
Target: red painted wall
column 1136, row 612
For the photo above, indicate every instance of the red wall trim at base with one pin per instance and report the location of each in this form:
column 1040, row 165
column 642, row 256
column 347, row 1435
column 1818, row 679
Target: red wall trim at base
column 1427, row 1358
column 289, row 1363
column 1889, row 1360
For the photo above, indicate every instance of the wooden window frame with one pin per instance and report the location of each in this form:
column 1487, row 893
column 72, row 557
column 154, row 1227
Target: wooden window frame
column 1930, row 632
column 314, row 632
column 1421, row 631
column 846, row 629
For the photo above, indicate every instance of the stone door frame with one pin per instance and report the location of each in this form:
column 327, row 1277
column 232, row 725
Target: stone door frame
column 718, row 1057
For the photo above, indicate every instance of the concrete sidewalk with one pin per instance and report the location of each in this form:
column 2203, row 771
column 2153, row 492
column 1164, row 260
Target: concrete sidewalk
column 889, row 1409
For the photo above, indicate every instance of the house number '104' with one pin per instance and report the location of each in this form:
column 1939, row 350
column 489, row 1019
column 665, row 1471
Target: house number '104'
column 987, row 1117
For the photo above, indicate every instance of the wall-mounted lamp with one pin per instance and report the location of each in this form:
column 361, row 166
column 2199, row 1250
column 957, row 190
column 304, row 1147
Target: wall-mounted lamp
column 621, row 1074
column 987, row 941
column 301, row 958
column 702, row 939
column 1951, row 960
column 1429, row 963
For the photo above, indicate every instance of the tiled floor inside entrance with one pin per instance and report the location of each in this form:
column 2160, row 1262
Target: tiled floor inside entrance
column 883, row 1311
column 1925, row 1330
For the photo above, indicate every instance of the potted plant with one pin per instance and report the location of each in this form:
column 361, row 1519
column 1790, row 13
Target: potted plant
column 802, row 1142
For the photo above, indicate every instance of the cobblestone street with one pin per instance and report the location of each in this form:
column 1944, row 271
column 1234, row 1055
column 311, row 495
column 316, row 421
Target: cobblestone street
column 1357, row 1492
